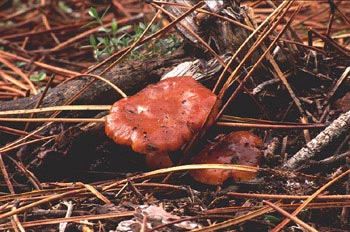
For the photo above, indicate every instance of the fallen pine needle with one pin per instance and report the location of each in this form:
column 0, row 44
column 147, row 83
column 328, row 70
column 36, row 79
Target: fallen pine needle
column 56, row 108
column 52, row 120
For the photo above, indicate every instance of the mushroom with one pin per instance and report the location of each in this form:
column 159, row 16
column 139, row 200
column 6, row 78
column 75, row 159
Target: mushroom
column 240, row 147
column 161, row 118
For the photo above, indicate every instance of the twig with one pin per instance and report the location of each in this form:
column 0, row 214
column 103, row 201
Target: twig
column 15, row 221
column 17, row 132
column 47, row 24
column 101, row 120
column 76, row 219
column 235, row 221
column 20, row 73
column 40, row 100
column 63, row 225
column 6, row 175
column 31, row 177
column 330, row 160
column 18, row 143
column 98, row 77
column 144, row 224
column 51, row 68
column 322, row 140
column 326, row 198
column 270, row 126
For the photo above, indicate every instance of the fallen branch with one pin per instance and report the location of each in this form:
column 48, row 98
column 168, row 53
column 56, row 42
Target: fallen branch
column 321, row 141
column 130, row 77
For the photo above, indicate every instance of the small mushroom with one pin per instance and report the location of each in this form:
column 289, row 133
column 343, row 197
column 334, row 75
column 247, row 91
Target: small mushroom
column 240, row 147
column 161, row 118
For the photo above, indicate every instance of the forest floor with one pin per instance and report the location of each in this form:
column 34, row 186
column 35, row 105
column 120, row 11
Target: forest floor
column 60, row 172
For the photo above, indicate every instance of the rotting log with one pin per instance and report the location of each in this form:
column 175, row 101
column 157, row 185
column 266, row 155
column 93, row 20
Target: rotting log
column 130, row 76
column 225, row 28
column 220, row 34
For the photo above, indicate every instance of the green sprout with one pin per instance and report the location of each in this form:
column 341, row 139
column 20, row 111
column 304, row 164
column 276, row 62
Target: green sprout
column 114, row 38
column 38, row 77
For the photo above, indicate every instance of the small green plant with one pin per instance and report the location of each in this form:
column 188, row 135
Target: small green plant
column 272, row 219
column 104, row 46
column 116, row 38
column 38, row 77
column 20, row 64
column 156, row 46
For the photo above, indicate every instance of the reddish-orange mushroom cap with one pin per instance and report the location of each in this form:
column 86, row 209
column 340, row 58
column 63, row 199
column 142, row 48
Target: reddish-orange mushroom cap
column 162, row 117
column 241, row 147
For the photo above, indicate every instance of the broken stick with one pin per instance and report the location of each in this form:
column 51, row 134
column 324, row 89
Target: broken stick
column 337, row 128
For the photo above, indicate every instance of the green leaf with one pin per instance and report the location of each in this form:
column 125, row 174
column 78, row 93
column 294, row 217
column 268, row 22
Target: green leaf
column 20, row 64
column 101, row 40
column 124, row 28
column 99, row 53
column 37, row 78
column 106, row 42
column 138, row 31
column 104, row 29
column 115, row 41
column 93, row 13
column 271, row 218
column 114, row 27
column 92, row 41
column 125, row 41
column 142, row 26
